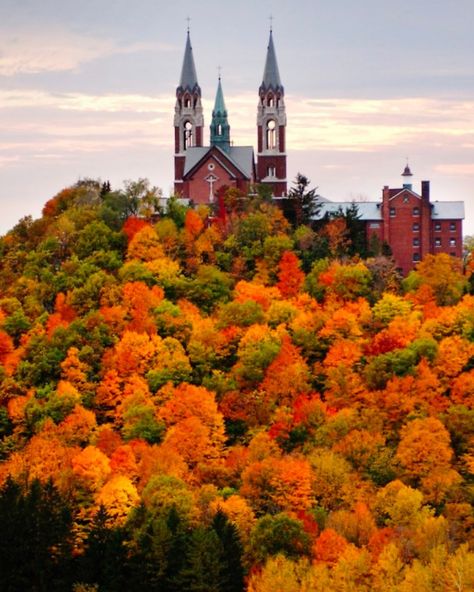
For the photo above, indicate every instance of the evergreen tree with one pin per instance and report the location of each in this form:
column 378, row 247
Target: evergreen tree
column 35, row 546
column 232, row 569
column 302, row 204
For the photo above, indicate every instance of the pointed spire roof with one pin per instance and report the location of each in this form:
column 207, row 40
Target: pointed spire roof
column 271, row 75
column 406, row 171
column 188, row 80
column 220, row 128
column 219, row 104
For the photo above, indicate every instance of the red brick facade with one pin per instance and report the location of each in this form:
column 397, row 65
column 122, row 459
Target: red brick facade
column 414, row 227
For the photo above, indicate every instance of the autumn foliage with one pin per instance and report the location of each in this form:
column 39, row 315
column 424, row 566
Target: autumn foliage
column 207, row 405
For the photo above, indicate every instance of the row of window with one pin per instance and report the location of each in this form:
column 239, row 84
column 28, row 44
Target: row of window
column 416, row 226
column 437, row 227
column 417, row 257
column 437, row 242
column 393, row 212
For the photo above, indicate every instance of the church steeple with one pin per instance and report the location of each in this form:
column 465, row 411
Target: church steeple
column 220, row 128
column 188, row 115
column 271, row 122
column 188, row 80
column 271, row 75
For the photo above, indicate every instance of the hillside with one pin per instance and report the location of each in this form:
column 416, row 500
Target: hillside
column 226, row 403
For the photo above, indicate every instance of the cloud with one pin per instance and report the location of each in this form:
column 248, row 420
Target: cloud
column 30, row 51
column 41, row 123
column 456, row 169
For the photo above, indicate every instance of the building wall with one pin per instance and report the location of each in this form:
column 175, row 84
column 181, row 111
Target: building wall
column 197, row 187
column 408, row 227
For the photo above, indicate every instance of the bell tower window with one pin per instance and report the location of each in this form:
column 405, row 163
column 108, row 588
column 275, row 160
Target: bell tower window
column 271, row 135
column 188, row 139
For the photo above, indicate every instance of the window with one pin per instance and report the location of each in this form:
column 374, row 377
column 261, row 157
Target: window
column 452, row 242
column 188, row 135
column 416, row 242
column 416, row 257
column 392, row 213
column 452, row 226
column 416, row 211
column 271, row 171
column 187, row 101
column 437, row 242
column 271, row 134
column 437, row 226
column 416, row 227
column 270, row 101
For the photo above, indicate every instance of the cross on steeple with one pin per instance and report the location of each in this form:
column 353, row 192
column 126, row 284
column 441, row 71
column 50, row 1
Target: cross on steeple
column 271, row 22
column 189, row 20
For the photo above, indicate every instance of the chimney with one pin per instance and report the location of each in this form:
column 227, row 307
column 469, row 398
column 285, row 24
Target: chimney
column 425, row 191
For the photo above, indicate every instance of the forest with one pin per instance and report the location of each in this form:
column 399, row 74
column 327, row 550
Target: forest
column 230, row 400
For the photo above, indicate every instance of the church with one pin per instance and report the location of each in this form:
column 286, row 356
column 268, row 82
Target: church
column 409, row 222
column 200, row 171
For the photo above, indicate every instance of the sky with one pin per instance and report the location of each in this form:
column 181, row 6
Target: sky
column 87, row 89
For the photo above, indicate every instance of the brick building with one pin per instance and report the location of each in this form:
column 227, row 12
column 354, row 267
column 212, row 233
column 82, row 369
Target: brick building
column 201, row 170
column 412, row 224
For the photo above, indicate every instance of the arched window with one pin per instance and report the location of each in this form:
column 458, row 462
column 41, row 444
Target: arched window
column 270, row 101
column 188, row 139
column 271, row 134
column 219, row 130
column 271, row 171
column 187, row 101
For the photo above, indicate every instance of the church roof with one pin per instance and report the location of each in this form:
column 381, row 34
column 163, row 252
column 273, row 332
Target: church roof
column 241, row 157
column 188, row 80
column 271, row 75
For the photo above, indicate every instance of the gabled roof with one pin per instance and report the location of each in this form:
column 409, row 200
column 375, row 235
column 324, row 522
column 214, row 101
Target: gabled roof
column 395, row 192
column 241, row 157
column 188, row 80
column 271, row 75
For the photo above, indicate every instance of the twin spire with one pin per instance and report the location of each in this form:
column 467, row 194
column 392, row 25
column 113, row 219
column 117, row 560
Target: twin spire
column 220, row 129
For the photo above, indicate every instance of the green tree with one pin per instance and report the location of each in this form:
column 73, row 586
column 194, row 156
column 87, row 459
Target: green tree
column 302, row 205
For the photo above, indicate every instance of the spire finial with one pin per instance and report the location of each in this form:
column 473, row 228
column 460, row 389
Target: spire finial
column 189, row 21
column 219, row 72
column 271, row 23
